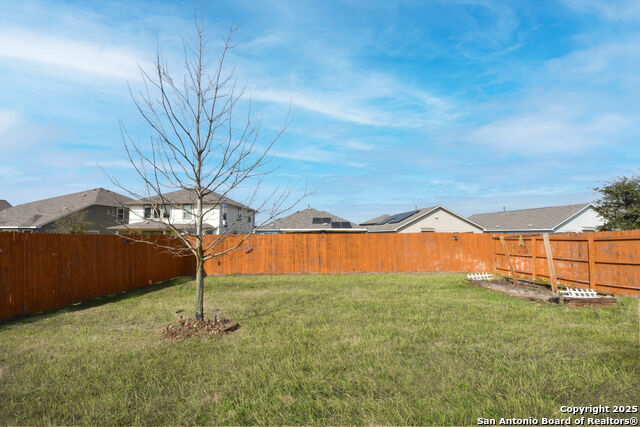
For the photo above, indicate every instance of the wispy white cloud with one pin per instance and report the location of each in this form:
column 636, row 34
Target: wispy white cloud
column 551, row 131
column 8, row 120
column 108, row 164
column 573, row 103
column 18, row 134
column 481, row 41
column 356, row 107
column 70, row 55
column 360, row 145
column 617, row 10
column 451, row 185
column 331, row 80
column 315, row 155
column 318, row 103
column 613, row 61
column 12, row 175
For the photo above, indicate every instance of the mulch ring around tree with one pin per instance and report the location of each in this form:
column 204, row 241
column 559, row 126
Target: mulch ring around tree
column 186, row 328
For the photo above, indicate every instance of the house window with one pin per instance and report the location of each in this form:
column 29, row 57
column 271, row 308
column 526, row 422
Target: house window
column 120, row 214
column 186, row 211
column 249, row 219
column 155, row 210
column 224, row 216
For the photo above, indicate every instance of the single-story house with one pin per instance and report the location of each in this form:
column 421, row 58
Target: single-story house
column 430, row 219
column 96, row 209
column 152, row 215
column 311, row 221
column 4, row 205
column 552, row 219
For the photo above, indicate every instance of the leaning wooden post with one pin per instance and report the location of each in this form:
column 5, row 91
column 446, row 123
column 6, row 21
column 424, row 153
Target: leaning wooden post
column 511, row 268
column 533, row 258
column 552, row 269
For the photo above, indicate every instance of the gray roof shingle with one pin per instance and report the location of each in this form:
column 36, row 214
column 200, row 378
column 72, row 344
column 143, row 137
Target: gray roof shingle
column 546, row 218
column 303, row 220
column 41, row 212
column 4, row 205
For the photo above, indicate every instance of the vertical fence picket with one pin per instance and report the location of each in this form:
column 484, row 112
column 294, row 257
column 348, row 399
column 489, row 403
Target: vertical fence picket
column 591, row 256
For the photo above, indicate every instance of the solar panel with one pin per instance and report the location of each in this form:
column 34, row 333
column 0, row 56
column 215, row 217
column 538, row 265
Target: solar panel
column 384, row 221
column 394, row 219
column 321, row 220
column 341, row 224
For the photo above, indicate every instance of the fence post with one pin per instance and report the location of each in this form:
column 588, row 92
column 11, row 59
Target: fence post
column 552, row 269
column 506, row 253
column 591, row 256
column 533, row 258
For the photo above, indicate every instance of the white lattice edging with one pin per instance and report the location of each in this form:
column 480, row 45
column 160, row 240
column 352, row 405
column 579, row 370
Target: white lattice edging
column 579, row 293
column 480, row 276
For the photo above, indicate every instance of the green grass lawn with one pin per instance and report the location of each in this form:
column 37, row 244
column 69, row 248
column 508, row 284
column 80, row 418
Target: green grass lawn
column 354, row 349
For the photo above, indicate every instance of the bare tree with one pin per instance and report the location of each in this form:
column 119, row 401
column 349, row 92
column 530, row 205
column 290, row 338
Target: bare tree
column 72, row 223
column 196, row 147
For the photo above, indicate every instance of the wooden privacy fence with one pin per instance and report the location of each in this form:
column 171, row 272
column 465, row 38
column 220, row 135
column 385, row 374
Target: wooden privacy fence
column 605, row 261
column 46, row 271
column 354, row 253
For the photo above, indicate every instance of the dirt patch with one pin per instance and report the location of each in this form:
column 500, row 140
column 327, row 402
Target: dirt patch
column 214, row 398
column 186, row 328
column 541, row 292
column 287, row 400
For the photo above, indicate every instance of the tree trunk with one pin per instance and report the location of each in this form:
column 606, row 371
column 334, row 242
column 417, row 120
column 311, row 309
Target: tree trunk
column 199, row 260
column 200, row 275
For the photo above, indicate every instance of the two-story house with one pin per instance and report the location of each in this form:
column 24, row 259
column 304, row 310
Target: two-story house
column 92, row 211
column 154, row 215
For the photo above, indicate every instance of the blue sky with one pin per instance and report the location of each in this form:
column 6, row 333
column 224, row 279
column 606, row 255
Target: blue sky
column 471, row 104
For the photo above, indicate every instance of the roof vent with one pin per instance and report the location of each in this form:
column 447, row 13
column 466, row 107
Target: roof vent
column 529, row 225
column 497, row 226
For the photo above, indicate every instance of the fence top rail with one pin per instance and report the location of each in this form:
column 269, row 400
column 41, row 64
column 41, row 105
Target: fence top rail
column 575, row 239
column 597, row 236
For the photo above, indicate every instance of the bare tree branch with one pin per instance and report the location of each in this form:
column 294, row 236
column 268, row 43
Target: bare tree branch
column 194, row 146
